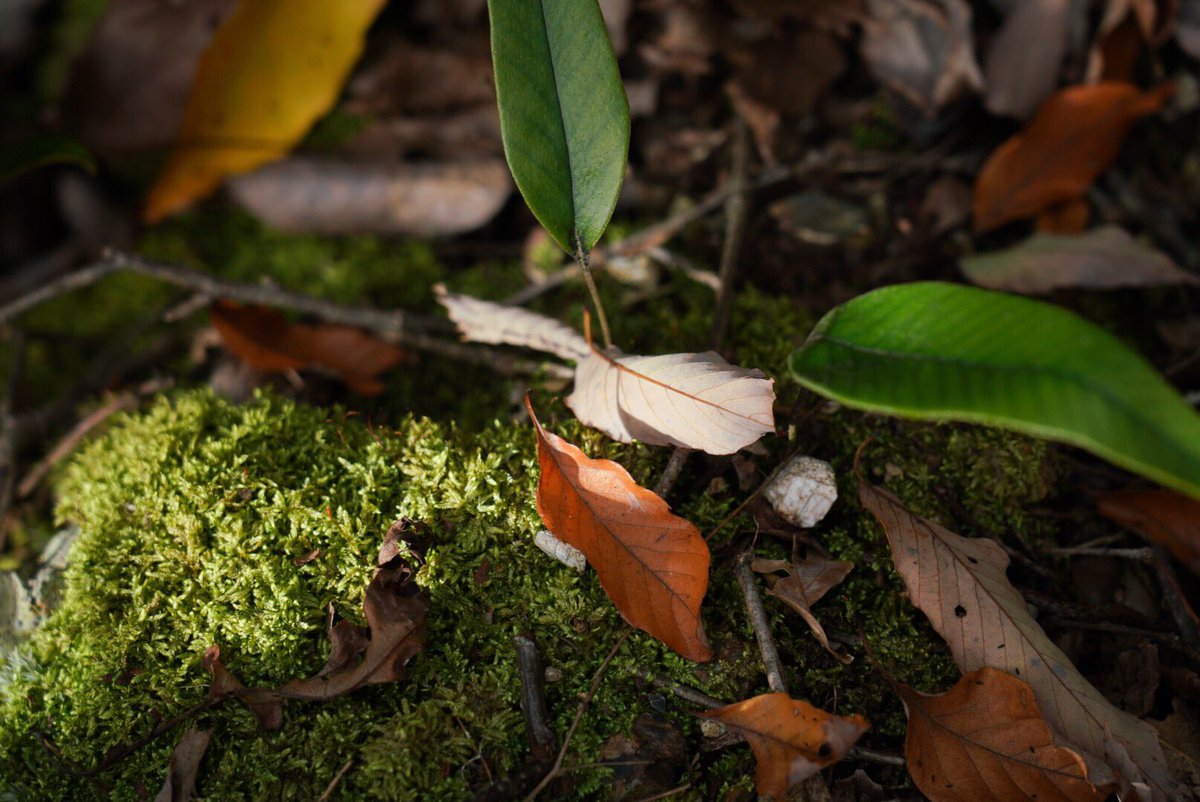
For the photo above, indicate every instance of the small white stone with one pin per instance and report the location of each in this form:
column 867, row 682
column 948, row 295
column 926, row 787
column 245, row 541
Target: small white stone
column 711, row 729
column 803, row 491
column 565, row 553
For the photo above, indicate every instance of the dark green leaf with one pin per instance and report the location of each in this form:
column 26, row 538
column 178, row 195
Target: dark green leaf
column 563, row 113
column 943, row 351
column 29, row 154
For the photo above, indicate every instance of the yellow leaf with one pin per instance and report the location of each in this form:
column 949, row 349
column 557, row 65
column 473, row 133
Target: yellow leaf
column 271, row 70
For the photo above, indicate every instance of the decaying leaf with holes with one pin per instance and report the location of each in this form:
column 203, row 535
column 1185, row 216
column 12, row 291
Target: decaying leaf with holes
column 985, row 740
column 791, row 739
column 652, row 564
column 697, row 401
column 960, row 584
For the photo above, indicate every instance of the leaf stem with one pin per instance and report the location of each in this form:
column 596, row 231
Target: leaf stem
column 581, row 256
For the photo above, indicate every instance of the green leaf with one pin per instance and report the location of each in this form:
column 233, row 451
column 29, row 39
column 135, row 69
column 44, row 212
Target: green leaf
column 563, row 113
column 29, row 154
column 948, row 352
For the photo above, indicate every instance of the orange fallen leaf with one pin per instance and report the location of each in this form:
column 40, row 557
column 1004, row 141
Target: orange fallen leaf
column 1164, row 517
column 271, row 70
column 265, row 339
column 1073, row 138
column 985, row 740
column 652, row 564
column 791, row 739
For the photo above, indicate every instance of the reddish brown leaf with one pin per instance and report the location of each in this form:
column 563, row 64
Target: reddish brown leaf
column 264, row 338
column 791, row 739
column 1068, row 217
column 652, row 564
column 803, row 585
column 185, row 763
column 1073, row 138
column 1161, row 516
column 985, row 740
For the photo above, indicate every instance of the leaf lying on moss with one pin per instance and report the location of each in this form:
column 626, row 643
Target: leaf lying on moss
column 791, row 739
column 487, row 322
column 961, row 585
column 985, row 740
column 690, row 400
column 264, row 338
column 185, row 763
column 803, row 585
column 652, row 564
column 395, row 609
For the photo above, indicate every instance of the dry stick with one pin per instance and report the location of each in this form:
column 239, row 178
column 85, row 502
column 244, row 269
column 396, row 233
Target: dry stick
column 395, row 326
column 337, row 778
column 679, row 789
column 735, row 229
column 671, row 472
column 762, row 627
column 542, row 740
column 584, row 701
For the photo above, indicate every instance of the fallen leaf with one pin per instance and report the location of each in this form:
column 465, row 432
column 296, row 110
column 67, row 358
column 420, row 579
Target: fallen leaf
column 1187, row 28
column 1020, row 77
column 922, row 49
column 960, row 584
column 985, row 740
column 185, row 763
column 128, row 87
column 338, row 197
column 271, row 70
column 1164, row 517
column 395, row 608
column 1103, row 258
column 695, row 401
column 1073, row 138
column 487, row 322
column 803, row 585
column 791, row 739
column 645, row 762
column 1068, row 217
column 264, row 338
column 652, row 564
column 414, row 80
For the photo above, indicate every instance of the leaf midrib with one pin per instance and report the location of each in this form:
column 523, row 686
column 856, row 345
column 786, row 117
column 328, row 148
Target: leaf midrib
column 562, row 121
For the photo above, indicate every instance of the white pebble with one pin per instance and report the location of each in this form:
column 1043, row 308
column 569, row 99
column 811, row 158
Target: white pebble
column 803, row 491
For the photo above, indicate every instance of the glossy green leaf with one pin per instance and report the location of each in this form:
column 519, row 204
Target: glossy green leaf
column 948, row 352
column 29, row 154
column 563, row 113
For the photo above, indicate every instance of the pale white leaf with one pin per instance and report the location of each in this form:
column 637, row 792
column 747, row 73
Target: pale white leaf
column 565, row 553
column 697, row 401
column 487, row 322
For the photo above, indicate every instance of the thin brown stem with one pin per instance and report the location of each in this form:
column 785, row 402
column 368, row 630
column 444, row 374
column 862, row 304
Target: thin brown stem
column 760, row 623
column 671, row 473
column 581, row 256
column 543, row 742
column 337, row 778
column 735, row 229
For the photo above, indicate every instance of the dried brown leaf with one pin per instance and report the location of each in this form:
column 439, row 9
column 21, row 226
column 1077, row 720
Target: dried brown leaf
column 960, row 584
column 1073, row 138
column 922, row 49
column 651, row 563
column 1103, row 258
column 1020, row 77
column 695, row 401
column 185, row 763
column 487, row 322
column 985, row 740
column 803, row 585
column 791, row 739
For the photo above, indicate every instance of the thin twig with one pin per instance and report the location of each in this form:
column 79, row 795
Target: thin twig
column 671, row 473
column 735, row 229
column 584, row 701
column 337, row 778
column 679, row 789
column 687, row 693
column 760, row 623
column 543, row 742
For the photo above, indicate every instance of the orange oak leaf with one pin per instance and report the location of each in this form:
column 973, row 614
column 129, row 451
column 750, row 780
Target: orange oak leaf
column 985, row 740
column 1164, row 517
column 1073, row 138
column 265, row 339
column 652, row 564
column 962, row 587
column 791, row 739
